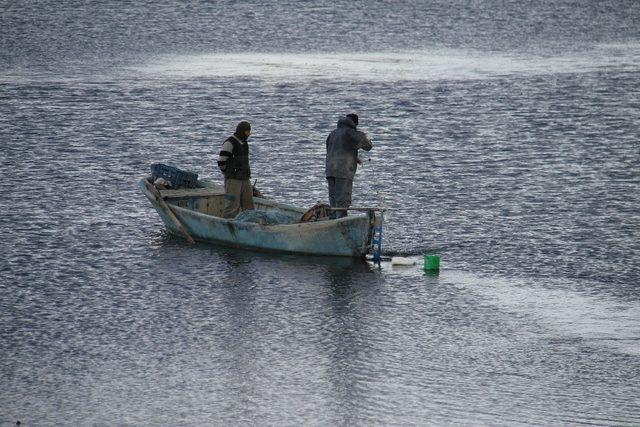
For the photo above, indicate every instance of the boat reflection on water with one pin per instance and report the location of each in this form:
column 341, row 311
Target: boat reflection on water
column 303, row 269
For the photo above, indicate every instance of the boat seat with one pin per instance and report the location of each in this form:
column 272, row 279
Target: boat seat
column 190, row 192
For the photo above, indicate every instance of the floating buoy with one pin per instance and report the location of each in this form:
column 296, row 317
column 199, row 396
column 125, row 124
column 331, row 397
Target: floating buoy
column 431, row 262
column 398, row 260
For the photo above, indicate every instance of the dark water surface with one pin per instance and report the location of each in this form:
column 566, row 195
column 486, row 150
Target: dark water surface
column 505, row 140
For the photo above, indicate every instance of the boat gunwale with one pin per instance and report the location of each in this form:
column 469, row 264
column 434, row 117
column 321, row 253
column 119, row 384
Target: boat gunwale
column 330, row 223
column 319, row 224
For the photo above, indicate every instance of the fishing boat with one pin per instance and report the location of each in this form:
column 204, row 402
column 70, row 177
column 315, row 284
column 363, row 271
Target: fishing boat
column 196, row 214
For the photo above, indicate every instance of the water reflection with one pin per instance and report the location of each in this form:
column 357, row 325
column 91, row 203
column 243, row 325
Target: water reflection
column 315, row 310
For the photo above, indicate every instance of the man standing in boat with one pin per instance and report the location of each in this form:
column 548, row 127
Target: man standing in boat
column 342, row 161
column 233, row 161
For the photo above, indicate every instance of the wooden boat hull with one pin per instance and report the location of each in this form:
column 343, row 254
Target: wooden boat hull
column 349, row 236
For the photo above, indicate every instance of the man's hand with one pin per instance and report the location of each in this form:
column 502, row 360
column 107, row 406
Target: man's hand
column 257, row 193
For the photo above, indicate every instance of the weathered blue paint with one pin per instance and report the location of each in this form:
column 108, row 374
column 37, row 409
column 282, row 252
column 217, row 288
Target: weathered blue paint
column 377, row 240
column 348, row 236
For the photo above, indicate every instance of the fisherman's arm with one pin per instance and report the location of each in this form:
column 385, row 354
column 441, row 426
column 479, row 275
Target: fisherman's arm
column 225, row 153
column 363, row 141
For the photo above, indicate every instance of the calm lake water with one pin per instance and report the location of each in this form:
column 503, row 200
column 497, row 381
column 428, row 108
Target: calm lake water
column 505, row 140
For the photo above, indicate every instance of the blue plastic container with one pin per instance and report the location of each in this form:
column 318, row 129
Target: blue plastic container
column 177, row 177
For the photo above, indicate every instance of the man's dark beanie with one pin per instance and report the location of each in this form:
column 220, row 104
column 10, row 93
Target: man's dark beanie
column 354, row 118
column 242, row 127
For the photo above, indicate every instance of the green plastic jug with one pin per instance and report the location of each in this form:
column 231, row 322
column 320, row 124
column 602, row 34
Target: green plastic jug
column 431, row 262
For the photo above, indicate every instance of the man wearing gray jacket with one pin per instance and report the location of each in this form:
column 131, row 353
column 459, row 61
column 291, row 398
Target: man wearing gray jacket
column 342, row 161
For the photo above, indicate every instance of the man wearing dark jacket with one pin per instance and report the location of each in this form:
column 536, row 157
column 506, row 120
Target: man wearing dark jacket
column 342, row 161
column 233, row 161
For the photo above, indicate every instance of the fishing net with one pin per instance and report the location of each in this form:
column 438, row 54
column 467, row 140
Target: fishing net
column 317, row 212
column 263, row 217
